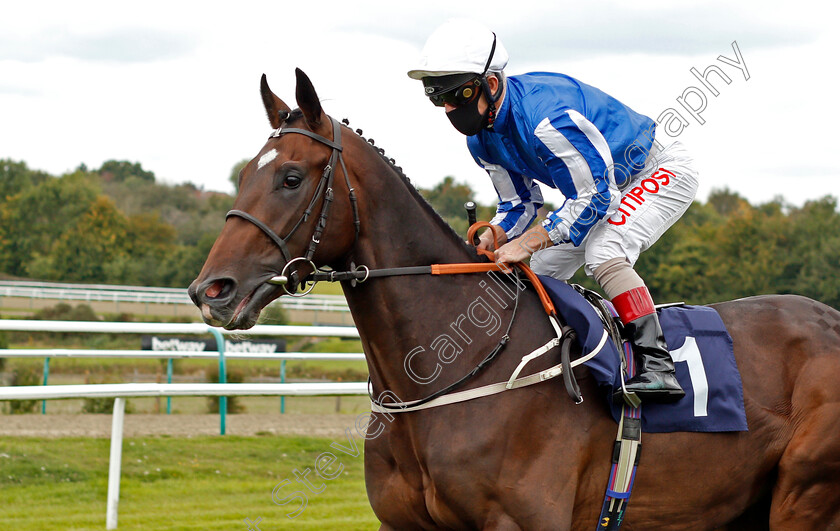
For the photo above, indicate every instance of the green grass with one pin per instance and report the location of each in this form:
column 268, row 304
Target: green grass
column 178, row 483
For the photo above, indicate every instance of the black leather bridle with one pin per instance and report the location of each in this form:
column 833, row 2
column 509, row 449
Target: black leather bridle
column 325, row 189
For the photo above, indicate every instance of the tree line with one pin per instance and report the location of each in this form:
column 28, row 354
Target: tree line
column 117, row 224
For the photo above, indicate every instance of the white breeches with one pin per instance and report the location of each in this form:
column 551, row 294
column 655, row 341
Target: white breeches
column 650, row 204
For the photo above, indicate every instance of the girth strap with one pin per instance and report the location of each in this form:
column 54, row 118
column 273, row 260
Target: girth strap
column 625, row 459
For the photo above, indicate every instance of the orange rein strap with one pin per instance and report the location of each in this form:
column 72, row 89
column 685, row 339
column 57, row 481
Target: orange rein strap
column 362, row 273
column 454, row 269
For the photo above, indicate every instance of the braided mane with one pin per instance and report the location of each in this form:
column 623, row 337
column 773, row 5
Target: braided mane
column 413, row 189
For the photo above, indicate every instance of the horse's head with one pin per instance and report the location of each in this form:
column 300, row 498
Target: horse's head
column 293, row 209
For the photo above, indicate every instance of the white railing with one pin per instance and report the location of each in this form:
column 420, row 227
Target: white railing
column 135, row 390
column 178, row 328
column 49, row 353
column 176, row 354
column 25, row 325
column 122, row 391
column 142, row 294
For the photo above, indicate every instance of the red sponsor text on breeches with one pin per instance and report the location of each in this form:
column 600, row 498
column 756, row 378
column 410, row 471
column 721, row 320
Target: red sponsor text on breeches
column 651, row 185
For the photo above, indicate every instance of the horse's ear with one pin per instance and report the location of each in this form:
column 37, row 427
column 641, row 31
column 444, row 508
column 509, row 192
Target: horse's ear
column 275, row 108
column 308, row 101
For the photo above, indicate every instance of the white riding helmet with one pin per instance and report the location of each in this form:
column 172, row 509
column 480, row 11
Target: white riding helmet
column 460, row 46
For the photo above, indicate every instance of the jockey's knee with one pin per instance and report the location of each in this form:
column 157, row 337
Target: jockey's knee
column 539, row 265
column 604, row 250
column 556, row 262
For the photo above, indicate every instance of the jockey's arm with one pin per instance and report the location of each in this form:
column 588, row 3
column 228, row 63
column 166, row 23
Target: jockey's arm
column 582, row 174
column 519, row 200
column 521, row 248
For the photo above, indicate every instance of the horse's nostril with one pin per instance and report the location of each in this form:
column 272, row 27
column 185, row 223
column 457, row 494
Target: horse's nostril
column 214, row 289
column 219, row 288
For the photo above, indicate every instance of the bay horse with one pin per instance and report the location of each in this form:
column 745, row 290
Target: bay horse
column 528, row 458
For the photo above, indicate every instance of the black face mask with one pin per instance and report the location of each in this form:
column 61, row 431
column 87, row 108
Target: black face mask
column 466, row 118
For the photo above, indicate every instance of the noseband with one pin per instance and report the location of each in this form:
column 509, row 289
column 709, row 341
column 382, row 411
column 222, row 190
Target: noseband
column 325, row 188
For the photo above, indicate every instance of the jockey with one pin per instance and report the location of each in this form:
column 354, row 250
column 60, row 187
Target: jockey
column 623, row 189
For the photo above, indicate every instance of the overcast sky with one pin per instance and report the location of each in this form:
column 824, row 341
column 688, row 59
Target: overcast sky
column 175, row 85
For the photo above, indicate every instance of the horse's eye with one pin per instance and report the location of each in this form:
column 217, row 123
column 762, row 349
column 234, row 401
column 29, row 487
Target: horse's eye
column 292, row 180
column 288, row 177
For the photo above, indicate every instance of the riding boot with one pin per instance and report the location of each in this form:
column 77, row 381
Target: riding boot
column 655, row 380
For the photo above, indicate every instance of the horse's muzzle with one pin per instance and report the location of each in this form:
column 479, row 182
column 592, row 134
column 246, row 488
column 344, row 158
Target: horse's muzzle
column 214, row 297
column 216, row 292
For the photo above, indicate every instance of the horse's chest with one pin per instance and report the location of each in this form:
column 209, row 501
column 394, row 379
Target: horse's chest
column 430, row 480
column 454, row 483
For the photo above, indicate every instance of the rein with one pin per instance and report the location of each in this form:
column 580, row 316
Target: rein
column 362, row 273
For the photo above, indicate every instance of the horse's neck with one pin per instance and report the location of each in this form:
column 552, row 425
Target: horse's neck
column 403, row 314
column 400, row 229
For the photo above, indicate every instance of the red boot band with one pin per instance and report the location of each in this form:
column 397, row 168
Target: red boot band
column 633, row 304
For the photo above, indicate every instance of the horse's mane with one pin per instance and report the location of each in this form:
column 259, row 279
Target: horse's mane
column 446, row 227
column 403, row 178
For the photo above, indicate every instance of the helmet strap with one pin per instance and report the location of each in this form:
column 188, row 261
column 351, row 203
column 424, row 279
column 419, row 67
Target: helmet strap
column 491, row 102
column 491, row 98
